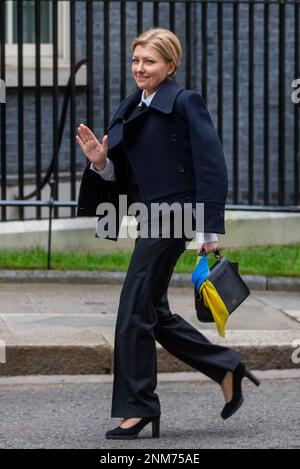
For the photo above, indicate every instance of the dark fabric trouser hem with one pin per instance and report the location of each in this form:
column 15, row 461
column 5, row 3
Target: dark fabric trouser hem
column 193, row 348
column 136, row 414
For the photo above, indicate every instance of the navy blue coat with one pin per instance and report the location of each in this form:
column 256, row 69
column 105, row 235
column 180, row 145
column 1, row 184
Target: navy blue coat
column 175, row 153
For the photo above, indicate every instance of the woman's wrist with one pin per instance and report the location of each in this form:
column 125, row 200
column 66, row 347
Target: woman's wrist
column 96, row 166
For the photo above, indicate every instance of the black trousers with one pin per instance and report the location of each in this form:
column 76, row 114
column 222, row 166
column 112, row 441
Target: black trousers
column 143, row 317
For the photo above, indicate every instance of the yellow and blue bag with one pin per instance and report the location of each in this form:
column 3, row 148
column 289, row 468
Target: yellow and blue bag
column 218, row 291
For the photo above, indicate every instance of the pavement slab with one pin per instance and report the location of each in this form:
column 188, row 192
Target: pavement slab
column 57, row 328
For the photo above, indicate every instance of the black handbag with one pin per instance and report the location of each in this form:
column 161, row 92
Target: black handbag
column 228, row 283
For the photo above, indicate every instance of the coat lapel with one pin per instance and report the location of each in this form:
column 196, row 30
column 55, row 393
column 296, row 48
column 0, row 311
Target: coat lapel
column 165, row 97
column 163, row 101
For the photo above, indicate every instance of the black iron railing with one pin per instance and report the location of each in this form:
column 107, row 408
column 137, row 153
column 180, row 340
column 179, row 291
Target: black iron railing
column 51, row 204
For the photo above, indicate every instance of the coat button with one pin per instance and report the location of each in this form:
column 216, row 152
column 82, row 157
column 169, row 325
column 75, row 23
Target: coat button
column 173, row 138
column 187, row 198
column 181, row 168
column 221, row 213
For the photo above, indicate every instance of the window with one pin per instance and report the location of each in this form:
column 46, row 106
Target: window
column 11, row 47
column 29, row 30
column 28, row 21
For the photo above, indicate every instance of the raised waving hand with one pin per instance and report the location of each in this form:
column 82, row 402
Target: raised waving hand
column 95, row 151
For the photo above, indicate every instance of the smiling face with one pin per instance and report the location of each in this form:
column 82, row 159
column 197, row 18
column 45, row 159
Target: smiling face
column 149, row 68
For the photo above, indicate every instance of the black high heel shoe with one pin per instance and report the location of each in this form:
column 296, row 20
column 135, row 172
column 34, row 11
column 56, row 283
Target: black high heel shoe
column 237, row 399
column 119, row 433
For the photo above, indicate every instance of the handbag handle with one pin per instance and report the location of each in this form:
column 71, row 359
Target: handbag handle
column 217, row 254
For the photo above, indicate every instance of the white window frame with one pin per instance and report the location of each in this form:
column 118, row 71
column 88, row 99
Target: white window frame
column 63, row 33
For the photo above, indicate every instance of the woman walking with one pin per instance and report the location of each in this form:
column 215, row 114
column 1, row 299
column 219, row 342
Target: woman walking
column 161, row 147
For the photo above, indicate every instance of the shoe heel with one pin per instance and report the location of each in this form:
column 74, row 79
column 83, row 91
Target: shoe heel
column 155, row 427
column 252, row 378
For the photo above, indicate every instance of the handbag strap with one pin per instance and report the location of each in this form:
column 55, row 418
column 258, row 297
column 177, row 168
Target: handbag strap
column 217, row 254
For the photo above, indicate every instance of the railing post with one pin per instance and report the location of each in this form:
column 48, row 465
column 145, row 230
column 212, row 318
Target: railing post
column 51, row 205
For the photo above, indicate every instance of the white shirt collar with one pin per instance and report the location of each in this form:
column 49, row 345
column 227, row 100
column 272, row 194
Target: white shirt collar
column 147, row 100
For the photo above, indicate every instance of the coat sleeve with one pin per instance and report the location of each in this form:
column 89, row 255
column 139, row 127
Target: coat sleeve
column 211, row 178
column 93, row 191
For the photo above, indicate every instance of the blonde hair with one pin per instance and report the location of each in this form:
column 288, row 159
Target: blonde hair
column 164, row 41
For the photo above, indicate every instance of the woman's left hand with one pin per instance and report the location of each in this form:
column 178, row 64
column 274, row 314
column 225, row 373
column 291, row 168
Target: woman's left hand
column 209, row 247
